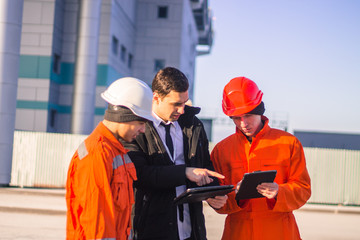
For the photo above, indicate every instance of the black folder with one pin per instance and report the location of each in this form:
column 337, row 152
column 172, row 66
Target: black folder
column 201, row 193
column 251, row 180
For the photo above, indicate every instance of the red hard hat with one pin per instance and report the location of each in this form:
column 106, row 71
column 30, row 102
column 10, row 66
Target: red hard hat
column 240, row 96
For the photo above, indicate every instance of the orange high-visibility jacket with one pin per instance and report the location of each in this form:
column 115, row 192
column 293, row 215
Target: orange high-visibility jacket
column 99, row 192
column 261, row 218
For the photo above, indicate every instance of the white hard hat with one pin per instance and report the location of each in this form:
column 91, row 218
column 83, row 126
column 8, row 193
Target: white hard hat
column 131, row 93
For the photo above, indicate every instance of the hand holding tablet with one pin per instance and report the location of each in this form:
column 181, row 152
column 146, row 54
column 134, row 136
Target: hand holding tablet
column 248, row 188
column 201, row 193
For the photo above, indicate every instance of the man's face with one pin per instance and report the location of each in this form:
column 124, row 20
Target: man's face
column 171, row 106
column 249, row 124
column 129, row 130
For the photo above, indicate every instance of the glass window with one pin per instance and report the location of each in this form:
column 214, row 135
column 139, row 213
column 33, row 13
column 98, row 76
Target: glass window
column 162, row 12
column 159, row 64
column 123, row 53
column 130, row 59
column 114, row 45
column 56, row 63
column 53, row 113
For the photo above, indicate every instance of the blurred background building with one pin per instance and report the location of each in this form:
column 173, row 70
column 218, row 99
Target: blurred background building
column 72, row 50
column 328, row 140
column 57, row 56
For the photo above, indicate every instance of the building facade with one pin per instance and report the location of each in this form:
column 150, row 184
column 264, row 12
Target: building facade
column 328, row 140
column 71, row 50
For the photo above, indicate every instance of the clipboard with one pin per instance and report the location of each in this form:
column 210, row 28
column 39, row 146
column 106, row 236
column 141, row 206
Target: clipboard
column 201, row 193
column 251, row 180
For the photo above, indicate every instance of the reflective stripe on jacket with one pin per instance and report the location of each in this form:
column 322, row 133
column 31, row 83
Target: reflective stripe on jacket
column 99, row 191
column 262, row 218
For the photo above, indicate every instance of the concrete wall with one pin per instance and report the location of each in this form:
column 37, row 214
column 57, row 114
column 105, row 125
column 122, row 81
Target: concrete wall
column 189, row 40
column 170, row 39
column 35, row 65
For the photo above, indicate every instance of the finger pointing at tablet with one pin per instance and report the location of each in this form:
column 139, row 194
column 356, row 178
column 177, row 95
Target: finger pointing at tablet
column 201, row 176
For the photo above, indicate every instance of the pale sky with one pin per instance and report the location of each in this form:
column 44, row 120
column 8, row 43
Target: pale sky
column 303, row 54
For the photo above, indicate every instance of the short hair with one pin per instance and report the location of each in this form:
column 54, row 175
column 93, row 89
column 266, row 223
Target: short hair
column 169, row 79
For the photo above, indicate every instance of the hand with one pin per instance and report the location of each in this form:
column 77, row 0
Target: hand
column 269, row 190
column 217, row 202
column 237, row 187
column 201, row 176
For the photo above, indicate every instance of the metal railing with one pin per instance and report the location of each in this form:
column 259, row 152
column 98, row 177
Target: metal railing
column 335, row 175
column 41, row 159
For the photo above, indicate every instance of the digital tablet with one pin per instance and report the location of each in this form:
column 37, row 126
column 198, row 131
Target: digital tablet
column 251, row 180
column 201, row 193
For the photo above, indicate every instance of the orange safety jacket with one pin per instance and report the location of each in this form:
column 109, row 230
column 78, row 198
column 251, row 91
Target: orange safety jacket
column 99, row 191
column 262, row 218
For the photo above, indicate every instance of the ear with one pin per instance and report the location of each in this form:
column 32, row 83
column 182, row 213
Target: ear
column 156, row 97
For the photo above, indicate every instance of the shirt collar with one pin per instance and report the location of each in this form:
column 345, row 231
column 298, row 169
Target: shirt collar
column 157, row 120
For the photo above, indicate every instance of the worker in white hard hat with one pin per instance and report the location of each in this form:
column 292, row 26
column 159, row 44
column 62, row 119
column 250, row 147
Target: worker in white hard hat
column 99, row 192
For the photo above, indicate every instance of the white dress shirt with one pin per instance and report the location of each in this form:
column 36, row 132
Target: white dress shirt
column 184, row 227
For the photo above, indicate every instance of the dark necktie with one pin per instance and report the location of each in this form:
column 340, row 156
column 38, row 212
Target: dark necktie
column 168, row 140
column 170, row 146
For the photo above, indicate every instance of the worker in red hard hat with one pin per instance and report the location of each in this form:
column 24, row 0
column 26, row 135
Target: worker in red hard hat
column 255, row 146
